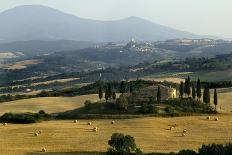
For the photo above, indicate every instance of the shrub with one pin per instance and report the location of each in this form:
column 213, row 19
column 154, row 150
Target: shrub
column 121, row 144
column 24, row 118
column 187, row 152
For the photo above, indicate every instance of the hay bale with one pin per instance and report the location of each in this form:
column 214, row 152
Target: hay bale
column 216, row 119
column 208, row 117
column 171, row 128
column 89, row 123
column 112, row 122
column 43, row 150
column 75, row 121
column 184, row 135
column 4, row 124
column 184, row 131
column 95, row 129
column 36, row 134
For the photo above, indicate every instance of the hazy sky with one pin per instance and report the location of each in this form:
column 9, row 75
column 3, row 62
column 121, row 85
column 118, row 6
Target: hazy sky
column 210, row 17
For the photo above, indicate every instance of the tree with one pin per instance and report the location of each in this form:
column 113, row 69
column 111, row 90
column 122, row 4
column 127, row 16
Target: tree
column 106, row 94
column 206, row 96
column 198, row 89
column 131, row 87
column 122, row 87
column 187, row 89
column 181, row 89
column 100, row 94
column 215, row 99
column 109, row 90
column 114, row 95
column 158, row 95
column 122, row 102
column 121, row 144
column 193, row 92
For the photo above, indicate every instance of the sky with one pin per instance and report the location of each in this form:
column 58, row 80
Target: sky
column 205, row 17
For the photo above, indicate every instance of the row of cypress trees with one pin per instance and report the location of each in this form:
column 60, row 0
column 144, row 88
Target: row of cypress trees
column 188, row 89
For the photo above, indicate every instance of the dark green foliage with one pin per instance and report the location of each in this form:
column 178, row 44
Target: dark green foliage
column 187, row 87
column 25, row 118
column 169, row 109
column 109, row 90
column 151, row 100
column 158, row 95
column 188, row 105
column 193, row 92
column 122, row 102
column 121, row 144
column 88, row 104
column 131, row 87
column 114, row 95
column 187, row 152
column 181, row 89
column 122, row 87
column 216, row 149
column 198, row 89
column 100, row 93
column 106, row 94
column 206, row 96
column 215, row 99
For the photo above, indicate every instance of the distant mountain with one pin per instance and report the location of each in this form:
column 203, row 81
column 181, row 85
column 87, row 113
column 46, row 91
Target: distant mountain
column 33, row 22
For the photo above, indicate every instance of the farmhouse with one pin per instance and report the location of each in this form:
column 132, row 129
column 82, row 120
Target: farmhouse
column 146, row 93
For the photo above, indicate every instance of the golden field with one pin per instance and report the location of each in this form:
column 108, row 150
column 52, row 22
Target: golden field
column 152, row 134
column 49, row 104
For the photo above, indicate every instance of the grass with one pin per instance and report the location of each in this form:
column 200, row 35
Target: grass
column 152, row 134
column 48, row 104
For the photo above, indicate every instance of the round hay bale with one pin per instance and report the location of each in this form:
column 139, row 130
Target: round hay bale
column 75, row 121
column 89, row 123
column 95, row 129
column 216, row 119
column 184, row 135
column 171, row 128
column 184, row 131
column 43, row 150
column 4, row 124
column 208, row 117
column 36, row 134
column 112, row 122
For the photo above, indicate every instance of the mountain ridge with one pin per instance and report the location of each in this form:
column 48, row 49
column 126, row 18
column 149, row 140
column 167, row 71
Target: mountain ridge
column 37, row 22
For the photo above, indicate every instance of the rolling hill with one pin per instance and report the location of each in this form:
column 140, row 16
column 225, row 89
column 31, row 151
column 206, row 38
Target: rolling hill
column 33, row 22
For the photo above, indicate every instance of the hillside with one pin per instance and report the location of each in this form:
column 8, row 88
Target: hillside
column 38, row 47
column 33, row 22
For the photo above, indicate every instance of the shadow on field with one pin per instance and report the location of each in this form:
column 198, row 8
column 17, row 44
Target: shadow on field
column 82, row 153
column 66, row 153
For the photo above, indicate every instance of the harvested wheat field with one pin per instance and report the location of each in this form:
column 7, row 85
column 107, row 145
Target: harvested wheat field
column 49, row 104
column 151, row 134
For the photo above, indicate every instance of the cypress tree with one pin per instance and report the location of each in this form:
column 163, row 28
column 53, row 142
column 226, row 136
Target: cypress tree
column 100, row 94
column 188, row 89
column 158, row 95
column 215, row 97
column 106, row 94
column 193, row 92
column 181, row 90
column 206, row 96
column 122, row 87
column 198, row 89
column 131, row 87
column 109, row 90
column 114, row 95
